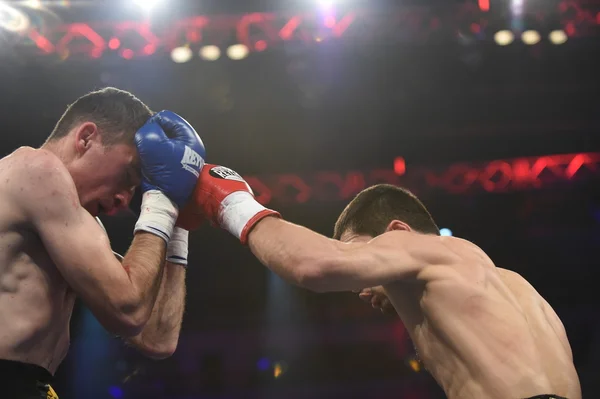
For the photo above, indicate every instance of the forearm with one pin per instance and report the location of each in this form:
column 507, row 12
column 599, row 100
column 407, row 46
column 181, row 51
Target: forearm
column 160, row 335
column 298, row 255
column 144, row 263
column 313, row 261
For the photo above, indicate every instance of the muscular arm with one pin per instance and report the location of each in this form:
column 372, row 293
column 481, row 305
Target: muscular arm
column 120, row 296
column 159, row 337
column 313, row 261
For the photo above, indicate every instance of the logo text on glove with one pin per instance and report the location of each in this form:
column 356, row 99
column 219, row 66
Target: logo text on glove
column 222, row 172
column 192, row 161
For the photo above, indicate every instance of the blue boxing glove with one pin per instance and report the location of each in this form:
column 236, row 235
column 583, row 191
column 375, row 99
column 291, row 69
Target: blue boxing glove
column 172, row 156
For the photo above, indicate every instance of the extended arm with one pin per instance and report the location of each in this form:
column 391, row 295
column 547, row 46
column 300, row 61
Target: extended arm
column 313, row 261
column 302, row 256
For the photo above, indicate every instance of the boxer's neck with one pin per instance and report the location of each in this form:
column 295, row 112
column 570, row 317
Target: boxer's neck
column 60, row 148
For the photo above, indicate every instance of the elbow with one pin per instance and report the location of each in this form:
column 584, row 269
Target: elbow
column 159, row 351
column 128, row 320
column 311, row 277
column 127, row 325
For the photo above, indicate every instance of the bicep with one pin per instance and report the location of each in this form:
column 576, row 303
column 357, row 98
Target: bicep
column 81, row 252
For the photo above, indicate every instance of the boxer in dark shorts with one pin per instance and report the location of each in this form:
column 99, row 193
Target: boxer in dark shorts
column 52, row 250
column 483, row 332
column 25, row 381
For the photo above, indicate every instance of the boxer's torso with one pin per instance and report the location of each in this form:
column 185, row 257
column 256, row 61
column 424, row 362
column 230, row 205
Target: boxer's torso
column 487, row 336
column 35, row 301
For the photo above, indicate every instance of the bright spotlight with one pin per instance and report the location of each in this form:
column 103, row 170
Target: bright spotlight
column 504, row 37
column 445, row 232
column 558, row 36
column 180, row 55
column 237, row 52
column 531, row 37
column 326, row 3
column 146, row 4
column 13, row 20
column 210, row 53
column 35, row 4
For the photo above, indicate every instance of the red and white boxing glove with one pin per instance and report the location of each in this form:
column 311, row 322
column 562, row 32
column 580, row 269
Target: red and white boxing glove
column 223, row 197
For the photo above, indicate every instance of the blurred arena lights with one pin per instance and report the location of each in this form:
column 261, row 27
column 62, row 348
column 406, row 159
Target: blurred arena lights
column 484, row 5
column 504, row 37
column 115, row 392
column 13, row 20
column 35, row 4
column 237, row 51
column 559, row 36
column 445, row 232
column 399, row 166
column 146, row 4
column 502, row 175
column 92, row 39
column 210, row 53
column 531, row 37
column 181, row 55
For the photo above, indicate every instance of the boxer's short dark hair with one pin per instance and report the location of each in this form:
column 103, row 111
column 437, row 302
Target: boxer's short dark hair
column 374, row 208
column 117, row 113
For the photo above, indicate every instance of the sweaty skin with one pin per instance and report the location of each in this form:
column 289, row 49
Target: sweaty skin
column 482, row 331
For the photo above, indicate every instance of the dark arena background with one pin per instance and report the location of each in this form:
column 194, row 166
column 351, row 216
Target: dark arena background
column 488, row 110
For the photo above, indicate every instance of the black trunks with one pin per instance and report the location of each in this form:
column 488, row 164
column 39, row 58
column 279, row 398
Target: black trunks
column 25, row 381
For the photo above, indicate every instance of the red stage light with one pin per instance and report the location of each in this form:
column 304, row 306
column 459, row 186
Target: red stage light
column 114, row 43
column 399, row 166
column 260, row 45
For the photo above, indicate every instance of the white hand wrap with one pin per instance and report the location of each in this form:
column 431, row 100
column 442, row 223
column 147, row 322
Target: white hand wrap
column 240, row 212
column 177, row 249
column 158, row 215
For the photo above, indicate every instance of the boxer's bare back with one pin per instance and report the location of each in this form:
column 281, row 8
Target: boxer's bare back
column 484, row 332
column 35, row 301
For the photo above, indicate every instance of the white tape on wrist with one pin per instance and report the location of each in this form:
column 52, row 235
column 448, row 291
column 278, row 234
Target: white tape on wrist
column 236, row 211
column 158, row 215
column 177, row 249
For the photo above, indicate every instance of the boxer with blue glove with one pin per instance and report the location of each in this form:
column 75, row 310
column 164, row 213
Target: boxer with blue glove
column 54, row 250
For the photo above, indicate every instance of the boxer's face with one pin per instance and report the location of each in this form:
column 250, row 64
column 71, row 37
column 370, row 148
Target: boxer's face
column 105, row 176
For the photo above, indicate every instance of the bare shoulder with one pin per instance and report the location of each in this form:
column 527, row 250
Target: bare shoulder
column 459, row 258
column 34, row 175
column 520, row 287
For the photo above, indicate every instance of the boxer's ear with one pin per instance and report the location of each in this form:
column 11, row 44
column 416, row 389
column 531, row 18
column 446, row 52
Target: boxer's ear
column 397, row 225
column 85, row 135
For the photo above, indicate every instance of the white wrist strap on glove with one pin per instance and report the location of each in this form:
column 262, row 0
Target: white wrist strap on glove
column 177, row 249
column 239, row 212
column 158, row 215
